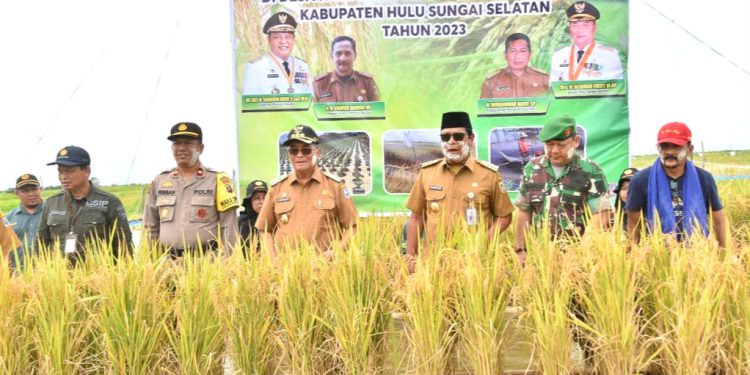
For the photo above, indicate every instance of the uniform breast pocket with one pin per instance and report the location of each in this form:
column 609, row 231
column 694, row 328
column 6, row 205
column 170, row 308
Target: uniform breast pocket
column 435, row 201
column 324, row 208
column 58, row 224
column 165, row 205
column 202, row 209
column 95, row 222
column 480, row 199
column 283, row 211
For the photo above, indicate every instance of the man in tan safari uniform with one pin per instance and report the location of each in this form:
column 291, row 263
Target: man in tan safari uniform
column 191, row 207
column 456, row 188
column 307, row 204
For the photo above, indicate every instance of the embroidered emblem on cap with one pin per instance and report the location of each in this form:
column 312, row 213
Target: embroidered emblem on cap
column 258, row 183
column 63, row 152
column 628, row 172
column 580, row 7
column 182, row 127
column 282, row 18
column 568, row 131
column 25, row 177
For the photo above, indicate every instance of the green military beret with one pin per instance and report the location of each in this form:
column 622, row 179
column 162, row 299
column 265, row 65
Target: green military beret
column 558, row 128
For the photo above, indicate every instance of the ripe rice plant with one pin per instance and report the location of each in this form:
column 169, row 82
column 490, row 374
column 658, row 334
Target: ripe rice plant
column 736, row 324
column 249, row 312
column 300, row 310
column 431, row 321
column 609, row 292
column 197, row 337
column 546, row 284
column 14, row 346
column 483, row 294
column 358, row 303
column 135, row 314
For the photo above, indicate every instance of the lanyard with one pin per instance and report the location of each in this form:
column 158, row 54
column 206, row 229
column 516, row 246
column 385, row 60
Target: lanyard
column 72, row 217
column 580, row 64
column 289, row 77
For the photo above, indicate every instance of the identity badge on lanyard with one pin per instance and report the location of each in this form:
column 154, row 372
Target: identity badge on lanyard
column 71, row 239
column 471, row 211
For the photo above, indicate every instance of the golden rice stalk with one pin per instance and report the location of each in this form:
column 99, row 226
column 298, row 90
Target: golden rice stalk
column 609, row 292
column 685, row 289
column 431, row 321
column 546, row 286
column 484, row 288
column 135, row 313
column 59, row 315
column 197, row 337
column 14, row 349
column 249, row 314
column 300, row 309
column 358, row 300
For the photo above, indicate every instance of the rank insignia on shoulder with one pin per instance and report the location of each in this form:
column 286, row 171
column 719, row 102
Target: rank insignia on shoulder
column 279, row 179
column 488, row 165
column 431, row 162
column 333, row 176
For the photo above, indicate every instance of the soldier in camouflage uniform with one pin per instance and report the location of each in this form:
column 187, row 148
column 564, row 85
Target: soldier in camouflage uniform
column 558, row 187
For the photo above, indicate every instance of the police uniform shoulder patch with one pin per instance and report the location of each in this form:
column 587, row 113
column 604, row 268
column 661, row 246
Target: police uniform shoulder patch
column 431, row 162
column 322, row 76
column 276, row 180
column 488, row 165
column 332, row 176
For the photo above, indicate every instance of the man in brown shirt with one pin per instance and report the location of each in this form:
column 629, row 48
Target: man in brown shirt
column 517, row 79
column 191, row 206
column 457, row 188
column 345, row 84
column 307, row 204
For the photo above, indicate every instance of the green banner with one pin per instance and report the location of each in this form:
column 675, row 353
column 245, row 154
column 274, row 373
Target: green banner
column 511, row 65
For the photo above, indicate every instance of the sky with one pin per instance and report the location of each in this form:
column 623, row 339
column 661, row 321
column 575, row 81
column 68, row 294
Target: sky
column 114, row 76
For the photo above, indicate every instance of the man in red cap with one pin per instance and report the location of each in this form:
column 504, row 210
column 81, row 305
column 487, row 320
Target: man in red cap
column 673, row 188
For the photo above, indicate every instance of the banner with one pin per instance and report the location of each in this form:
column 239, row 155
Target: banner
column 376, row 96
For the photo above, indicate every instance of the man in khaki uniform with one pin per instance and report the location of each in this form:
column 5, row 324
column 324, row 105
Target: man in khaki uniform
column 191, row 206
column 345, row 84
column 307, row 204
column 456, row 188
column 518, row 79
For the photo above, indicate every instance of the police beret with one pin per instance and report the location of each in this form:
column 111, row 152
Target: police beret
column 281, row 22
column 558, row 128
column 27, row 179
column 582, row 9
column 71, row 156
column 456, row 120
column 186, row 129
column 302, row 133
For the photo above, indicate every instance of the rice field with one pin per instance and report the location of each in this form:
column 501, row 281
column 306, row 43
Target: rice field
column 595, row 304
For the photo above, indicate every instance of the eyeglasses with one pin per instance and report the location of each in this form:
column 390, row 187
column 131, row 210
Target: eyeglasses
column 446, row 137
column 294, row 150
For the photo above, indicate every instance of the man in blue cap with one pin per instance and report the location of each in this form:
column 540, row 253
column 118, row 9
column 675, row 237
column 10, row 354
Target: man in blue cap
column 81, row 212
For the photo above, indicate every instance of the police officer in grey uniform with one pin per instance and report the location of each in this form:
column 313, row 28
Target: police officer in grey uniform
column 278, row 72
column 586, row 59
column 81, row 212
column 191, row 207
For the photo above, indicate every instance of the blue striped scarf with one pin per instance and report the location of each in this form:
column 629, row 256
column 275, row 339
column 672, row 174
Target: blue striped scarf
column 659, row 199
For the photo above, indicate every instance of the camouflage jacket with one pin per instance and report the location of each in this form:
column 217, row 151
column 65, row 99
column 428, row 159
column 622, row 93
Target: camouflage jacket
column 560, row 202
